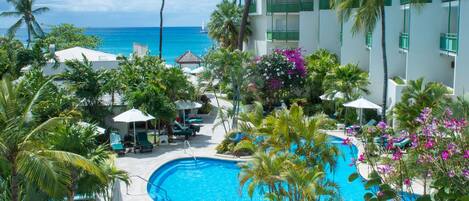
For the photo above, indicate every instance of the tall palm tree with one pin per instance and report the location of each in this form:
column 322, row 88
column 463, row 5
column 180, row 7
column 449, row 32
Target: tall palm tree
column 349, row 80
column 244, row 22
column 24, row 10
column 225, row 22
column 22, row 146
column 161, row 29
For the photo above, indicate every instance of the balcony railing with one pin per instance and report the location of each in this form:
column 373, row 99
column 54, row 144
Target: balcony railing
column 283, row 35
column 276, row 6
column 324, row 4
column 369, row 39
column 449, row 42
column 307, row 5
column 404, row 41
column 444, row 1
column 404, row 2
column 253, row 7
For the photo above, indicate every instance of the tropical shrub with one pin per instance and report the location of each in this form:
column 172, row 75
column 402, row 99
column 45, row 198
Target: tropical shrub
column 415, row 97
column 319, row 64
column 438, row 154
column 278, row 75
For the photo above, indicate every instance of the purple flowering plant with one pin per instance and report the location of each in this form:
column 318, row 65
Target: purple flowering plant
column 280, row 71
column 437, row 153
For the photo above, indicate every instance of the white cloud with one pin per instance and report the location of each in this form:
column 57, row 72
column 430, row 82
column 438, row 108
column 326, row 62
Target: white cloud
column 172, row 6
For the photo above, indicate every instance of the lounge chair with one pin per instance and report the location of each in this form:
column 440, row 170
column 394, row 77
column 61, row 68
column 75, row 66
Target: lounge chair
column 403, row 143
column 238, row 137
column 194, row 120
column 142, row 142
column 372, row 122
column 179, row 130
column 116, row 143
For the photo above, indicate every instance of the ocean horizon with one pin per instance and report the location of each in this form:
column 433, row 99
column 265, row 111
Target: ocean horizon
column 119, row 40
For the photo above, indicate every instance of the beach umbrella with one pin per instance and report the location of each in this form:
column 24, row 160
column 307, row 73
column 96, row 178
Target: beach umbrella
column 186, row 105
column 132, row 116
column 361, row 104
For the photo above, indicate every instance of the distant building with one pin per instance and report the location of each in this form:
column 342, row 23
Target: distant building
column 188, row 60
column 100, row 60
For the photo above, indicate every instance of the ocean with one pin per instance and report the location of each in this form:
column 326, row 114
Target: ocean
column 176, row 40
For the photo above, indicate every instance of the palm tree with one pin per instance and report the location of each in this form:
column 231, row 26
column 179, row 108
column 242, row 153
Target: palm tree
column 244, row 22
column 225, row 22
column 161, row 29
column 319, row 64
column 417, row 96
column 349, row 80
column 81, row 140
column 30, row 161
column 24, row 10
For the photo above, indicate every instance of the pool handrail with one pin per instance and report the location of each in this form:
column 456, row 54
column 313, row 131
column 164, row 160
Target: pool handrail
column 152, row 184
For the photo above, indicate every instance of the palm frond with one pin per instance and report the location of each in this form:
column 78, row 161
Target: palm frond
column 14, row 28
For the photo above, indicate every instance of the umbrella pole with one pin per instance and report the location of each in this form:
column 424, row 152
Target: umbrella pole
column 135, row 139
column 184, row 117
column 361, row 117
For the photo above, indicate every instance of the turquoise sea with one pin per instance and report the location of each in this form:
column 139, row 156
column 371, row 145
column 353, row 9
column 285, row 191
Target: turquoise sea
column 176, row 40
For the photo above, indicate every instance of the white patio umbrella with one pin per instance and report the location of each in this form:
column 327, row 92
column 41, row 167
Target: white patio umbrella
column 186, row 105
column 132, row 116
column 361, row 104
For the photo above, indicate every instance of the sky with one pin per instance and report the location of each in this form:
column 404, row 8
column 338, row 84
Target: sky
column 119, row 13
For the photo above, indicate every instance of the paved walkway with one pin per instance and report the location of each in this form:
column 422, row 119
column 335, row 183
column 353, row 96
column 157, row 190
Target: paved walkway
column 143, row 165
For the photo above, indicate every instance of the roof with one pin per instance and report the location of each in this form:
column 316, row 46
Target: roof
column 77, row 52
column 188, row 58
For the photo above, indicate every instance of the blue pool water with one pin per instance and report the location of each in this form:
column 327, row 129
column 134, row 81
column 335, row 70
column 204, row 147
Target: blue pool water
column 211, row 179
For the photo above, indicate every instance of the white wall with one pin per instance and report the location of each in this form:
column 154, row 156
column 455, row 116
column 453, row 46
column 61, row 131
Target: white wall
column 257, row 42
column 424, row 58
column 353, row 47
column 396, row 59
column 329, row 30
column 308, row 31
column 462, row 60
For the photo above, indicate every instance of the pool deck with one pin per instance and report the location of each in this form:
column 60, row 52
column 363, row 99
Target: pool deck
column 141, row 166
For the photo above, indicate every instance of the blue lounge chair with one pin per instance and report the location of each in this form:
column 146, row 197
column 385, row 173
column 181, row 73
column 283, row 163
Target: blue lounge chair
column 403, row 143
column 116, row 143
column 142, row 142
column 238, row 137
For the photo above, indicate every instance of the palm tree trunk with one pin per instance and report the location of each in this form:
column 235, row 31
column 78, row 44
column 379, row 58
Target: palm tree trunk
column 161, row 29
column 29, row 35
column 385, row 63
column 14, row 188
column 169, row 128
column 244, row 23
column 72, row 188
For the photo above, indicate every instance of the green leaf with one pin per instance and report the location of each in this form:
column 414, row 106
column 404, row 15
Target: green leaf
column 424, row 198
column 368, row 196
column 353, row 177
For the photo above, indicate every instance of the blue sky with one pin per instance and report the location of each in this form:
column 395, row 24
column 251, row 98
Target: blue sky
column 119, row 13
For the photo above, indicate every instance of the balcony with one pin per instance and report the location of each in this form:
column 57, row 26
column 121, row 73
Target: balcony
column 404, row 2
column 404, row 41
column 369, row 39
column 307, row 5
column 449, row 42
column 253, row 7
column 283, row 35
column 325, row 5
column 277, row 6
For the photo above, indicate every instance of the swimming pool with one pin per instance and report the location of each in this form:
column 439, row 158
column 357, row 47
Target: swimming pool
column 213, row 179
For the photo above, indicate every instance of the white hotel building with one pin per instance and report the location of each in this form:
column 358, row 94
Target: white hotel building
column 430, row 41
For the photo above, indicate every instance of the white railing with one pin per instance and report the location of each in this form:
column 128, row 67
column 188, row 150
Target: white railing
column 188, row 149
